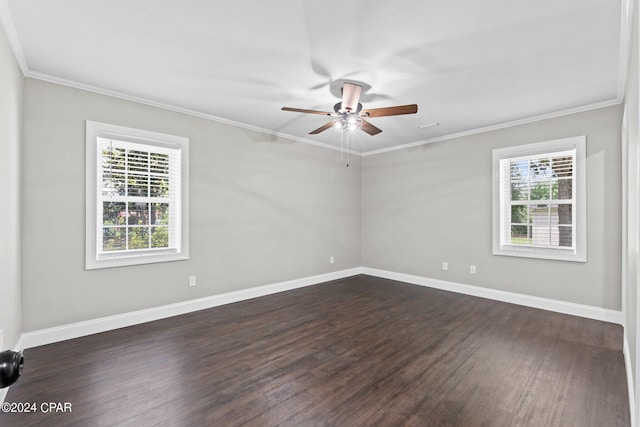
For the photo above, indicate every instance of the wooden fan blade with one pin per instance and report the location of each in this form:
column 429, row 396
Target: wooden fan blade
column 350, row 97
column 390, row 111
column 321, row 128
column 369, row 128
column 302, row 110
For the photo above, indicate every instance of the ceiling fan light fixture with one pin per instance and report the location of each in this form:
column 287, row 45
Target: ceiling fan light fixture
column 348, row 122
column 348, row 113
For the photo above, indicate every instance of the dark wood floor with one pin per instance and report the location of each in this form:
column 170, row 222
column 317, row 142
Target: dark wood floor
column 361, row 351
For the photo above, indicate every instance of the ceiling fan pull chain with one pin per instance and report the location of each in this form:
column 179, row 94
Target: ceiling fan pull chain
column 347, row 155
column 342, row 148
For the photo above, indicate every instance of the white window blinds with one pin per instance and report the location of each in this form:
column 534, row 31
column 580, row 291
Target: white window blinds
column 537, row 192
column 138, row 199
column 539, row 200
column 137, row 188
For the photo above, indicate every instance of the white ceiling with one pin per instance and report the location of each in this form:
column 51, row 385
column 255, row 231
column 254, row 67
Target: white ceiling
column 468, row 64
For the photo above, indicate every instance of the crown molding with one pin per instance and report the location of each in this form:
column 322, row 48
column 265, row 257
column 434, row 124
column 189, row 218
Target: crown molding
column 140, row 100
column 144, row 101
column 12, row 35
column 503, row 125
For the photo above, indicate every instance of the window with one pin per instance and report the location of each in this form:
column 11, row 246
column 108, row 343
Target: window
column 137, row 193
column 539, row 206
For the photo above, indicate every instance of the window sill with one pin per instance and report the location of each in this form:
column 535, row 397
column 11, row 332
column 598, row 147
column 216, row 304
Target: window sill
column 540, row 253
column 93, row 264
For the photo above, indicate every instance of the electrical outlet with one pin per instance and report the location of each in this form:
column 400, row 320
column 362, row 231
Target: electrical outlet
column 445, row 265
column 331, row 260
column 192, row 280
column 472, row 269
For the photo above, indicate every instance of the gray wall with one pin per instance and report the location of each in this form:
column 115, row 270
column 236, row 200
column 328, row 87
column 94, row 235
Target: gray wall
column 265, row 209
column 433, row 203
column 631, row 213
column 262, row 210
column 10, row 123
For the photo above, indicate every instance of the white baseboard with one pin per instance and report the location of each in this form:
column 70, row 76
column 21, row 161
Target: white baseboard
column 590, row 312
column 630, row 381
column 94, row 326
column 76, row 330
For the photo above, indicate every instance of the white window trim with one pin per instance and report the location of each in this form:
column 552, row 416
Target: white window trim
column 579, row 253
column 104, row 130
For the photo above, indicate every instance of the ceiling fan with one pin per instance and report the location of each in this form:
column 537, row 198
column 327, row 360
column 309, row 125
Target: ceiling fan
column 348, row 114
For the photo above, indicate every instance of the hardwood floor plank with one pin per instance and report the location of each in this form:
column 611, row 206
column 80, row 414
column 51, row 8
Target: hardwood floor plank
column 360, row 351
